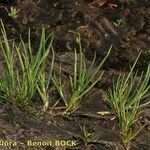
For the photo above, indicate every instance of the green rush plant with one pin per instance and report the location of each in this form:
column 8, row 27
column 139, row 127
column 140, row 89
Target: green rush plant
column 14, row 12
column 7, row 80
column 118, row 23
column 125, row 97
column 80, row 81
column 88, row 137
column 20, row 86
column 44, row 83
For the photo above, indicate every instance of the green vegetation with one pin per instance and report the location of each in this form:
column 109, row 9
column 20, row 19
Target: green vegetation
column 44, row 83
column 48, row 86
column 87, row 137
column 81, row 81
column 125, row 97
column 14, row 12
column 19, row 86
column 118, row 23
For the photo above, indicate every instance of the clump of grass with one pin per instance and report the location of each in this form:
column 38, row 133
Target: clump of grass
column 81, row 81
column 125, row 97
column 44, row 83
column 20, row 87
column 88, row 137
column 14, row 12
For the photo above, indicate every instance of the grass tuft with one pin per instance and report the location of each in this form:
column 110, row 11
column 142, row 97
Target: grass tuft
column 81, row 81
column 19, row 86
column 44, row 83
column 125, row 97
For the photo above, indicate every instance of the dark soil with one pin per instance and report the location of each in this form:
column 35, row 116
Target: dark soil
column 94, row 20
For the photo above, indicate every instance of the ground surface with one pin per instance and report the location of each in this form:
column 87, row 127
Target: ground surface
column 97, row 22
